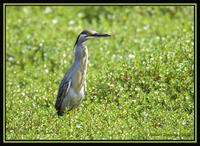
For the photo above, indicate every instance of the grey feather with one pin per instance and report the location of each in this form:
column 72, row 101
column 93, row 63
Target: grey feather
column 62, row 92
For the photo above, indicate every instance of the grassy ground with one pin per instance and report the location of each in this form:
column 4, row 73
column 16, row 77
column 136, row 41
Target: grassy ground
column 140, row 81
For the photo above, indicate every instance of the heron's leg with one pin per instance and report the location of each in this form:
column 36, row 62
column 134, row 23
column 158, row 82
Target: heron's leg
column 70, row 126
column 71, row 121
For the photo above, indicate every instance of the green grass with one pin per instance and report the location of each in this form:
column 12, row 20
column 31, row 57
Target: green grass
column 140, row 81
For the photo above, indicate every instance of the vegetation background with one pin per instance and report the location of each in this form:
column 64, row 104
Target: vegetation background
column 140, row 81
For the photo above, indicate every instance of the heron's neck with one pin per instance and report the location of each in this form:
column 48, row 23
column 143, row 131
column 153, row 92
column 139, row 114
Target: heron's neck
column 81, row 58
column 80, row 53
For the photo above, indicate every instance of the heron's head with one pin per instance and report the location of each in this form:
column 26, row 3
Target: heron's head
column 89, row 34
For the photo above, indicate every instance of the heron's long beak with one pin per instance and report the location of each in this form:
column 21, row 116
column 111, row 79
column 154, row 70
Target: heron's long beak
column 100, row 35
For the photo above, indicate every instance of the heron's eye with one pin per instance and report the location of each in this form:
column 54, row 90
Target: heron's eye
column 88, row 34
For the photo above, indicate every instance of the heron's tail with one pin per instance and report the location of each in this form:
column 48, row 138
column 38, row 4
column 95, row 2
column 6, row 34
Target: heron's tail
column 60, row 113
